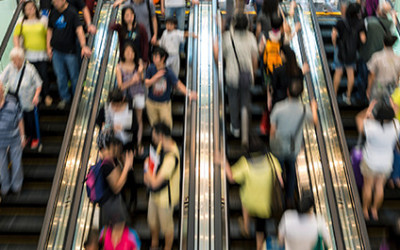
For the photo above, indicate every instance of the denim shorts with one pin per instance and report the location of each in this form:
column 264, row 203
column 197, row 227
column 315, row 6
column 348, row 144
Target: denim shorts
column 337, row 64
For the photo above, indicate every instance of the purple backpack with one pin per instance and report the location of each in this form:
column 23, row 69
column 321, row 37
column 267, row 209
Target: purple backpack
column 95, row 184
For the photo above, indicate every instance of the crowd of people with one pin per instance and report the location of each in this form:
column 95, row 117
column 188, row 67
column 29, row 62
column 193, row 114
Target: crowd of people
column 147, row 75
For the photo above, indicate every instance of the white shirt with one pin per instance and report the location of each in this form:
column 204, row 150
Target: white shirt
column 301, row 231
column 170, row 41
column 379, row 145
column 174, row 3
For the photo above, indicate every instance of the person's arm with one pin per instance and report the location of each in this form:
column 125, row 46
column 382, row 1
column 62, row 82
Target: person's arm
column 150, row 81
column 118, row 3
column 314, row 111
column 155, row 29
column 16, row 41
column 371, row 79
column 48, row 40
column 22, row 132
column 85, row 51
column 272, row 130
column 182, row 88
column 116, row 179
column 228, row 172
column 334, row 36
column 215, row 50
column 35, row 100
column 163, row 7
column 119, row 78
column 363, row 37
column 88, row 20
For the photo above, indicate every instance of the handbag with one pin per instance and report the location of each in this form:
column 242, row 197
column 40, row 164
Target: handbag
column 356, row 157
column 277, row 192
column 320, row 244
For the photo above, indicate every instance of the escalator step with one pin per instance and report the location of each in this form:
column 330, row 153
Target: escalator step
column 20, row 224
column 39, row 172
column 28, row 197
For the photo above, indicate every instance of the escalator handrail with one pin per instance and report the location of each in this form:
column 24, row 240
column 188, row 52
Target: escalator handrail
column 333, row 208
column 51, row 205
column 88, row 140
column 396, row 16
column 340, row 132
column 187, row 230
column 10, row 28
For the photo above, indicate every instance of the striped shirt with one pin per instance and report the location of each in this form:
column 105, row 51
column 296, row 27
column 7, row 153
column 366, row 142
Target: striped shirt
column 10, row 115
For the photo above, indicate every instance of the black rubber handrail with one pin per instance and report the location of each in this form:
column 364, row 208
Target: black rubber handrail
column 359, row 217
column 10, row 28
column 333, row 207
column 50, row 209
column 88, row 140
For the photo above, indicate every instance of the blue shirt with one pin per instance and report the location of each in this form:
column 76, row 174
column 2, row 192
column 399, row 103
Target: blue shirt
column 10, row 115
column 161, row 90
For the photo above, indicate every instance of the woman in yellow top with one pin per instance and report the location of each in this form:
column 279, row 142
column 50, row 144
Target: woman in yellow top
column 255, row 176
column 30, row 34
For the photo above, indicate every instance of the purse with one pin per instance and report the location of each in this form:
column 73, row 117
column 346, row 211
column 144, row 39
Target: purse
column 277, row 208
column 356, row 157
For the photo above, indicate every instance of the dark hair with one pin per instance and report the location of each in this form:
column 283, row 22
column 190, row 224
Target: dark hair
column 305, row 204
column 256, row 145
column 389, row 40
column 37, row 13
column 171, row 20
column 296, row 87
column 241, row 22
column 116, row 95
column 353, row 12
column 163, row 129
column 106, row 138
column 135, row 51
column 124, row 25
column 276, row 21
column 269, row 7
column 383, row 112
column 161, row 52
column 292, row 68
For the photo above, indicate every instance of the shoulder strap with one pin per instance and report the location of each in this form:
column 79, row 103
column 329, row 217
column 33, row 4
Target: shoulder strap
column 20, row 79
column 383, row 26
column 150, row 21
column 234, row 49
column 301, row 121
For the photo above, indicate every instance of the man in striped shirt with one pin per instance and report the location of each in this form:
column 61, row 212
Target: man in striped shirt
column 12, row 139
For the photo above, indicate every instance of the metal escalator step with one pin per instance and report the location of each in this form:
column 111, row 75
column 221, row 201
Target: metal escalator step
column 18, row 246
column 39, row 172
column 20, row 224
column 21, row 211
column 234, row 198
column 27, row 198
column 50, row 149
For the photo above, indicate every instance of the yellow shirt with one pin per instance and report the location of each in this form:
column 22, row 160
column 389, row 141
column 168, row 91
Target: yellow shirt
column 168, row 172
column 255, row 177
column 34, row 33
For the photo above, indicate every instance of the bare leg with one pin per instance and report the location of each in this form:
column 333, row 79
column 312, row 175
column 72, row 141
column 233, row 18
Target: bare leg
column 350, row 81
column 246, row 220
column 139, row 117
column 378, row 196
column 336, row 79
column 259, row 240
column 154, row 237
column 169, row 240
column 367, row 195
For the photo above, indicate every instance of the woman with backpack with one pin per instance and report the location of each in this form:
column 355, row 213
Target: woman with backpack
column 113, row 176
column 347, row 35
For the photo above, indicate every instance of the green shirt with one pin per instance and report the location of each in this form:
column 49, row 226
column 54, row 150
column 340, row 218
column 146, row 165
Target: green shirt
column 255, row 177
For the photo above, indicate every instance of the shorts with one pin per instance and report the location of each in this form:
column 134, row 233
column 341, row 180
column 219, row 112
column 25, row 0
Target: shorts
column 337, row 64
column 366, row 171
column 159, row 112
column 261, row 225
column 138, row 101
column 160, row 218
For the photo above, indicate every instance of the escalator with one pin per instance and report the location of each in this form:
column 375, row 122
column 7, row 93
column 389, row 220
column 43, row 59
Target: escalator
column 22, row 215
column 377, row 230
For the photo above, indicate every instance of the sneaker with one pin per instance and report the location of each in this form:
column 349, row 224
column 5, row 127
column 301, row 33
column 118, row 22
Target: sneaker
column 62, row 104
column 235, row 131
column 35, row 144
column 346, row 99
column 48, row 101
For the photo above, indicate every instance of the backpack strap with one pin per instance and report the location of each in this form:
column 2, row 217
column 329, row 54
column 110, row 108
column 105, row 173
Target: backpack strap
column 234, row 49
column 296, row 132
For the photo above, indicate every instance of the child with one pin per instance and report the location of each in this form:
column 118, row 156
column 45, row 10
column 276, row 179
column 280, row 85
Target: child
column 170, row 41
column 160, row 80
column 129, row 74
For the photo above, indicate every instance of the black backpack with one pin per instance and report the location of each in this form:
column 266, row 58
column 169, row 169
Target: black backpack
column 348, row 44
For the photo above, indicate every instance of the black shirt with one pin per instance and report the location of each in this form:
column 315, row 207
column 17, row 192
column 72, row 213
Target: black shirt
column 107, row 167
column 64, row 27
column 77, row 4
column 280, row 82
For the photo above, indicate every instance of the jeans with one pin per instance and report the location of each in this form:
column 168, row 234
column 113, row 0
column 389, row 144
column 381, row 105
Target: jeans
column 29, row 123
column 17, row 175
column 288, row 165
column 41, row 68
column 179, row 13
column 66, row 66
